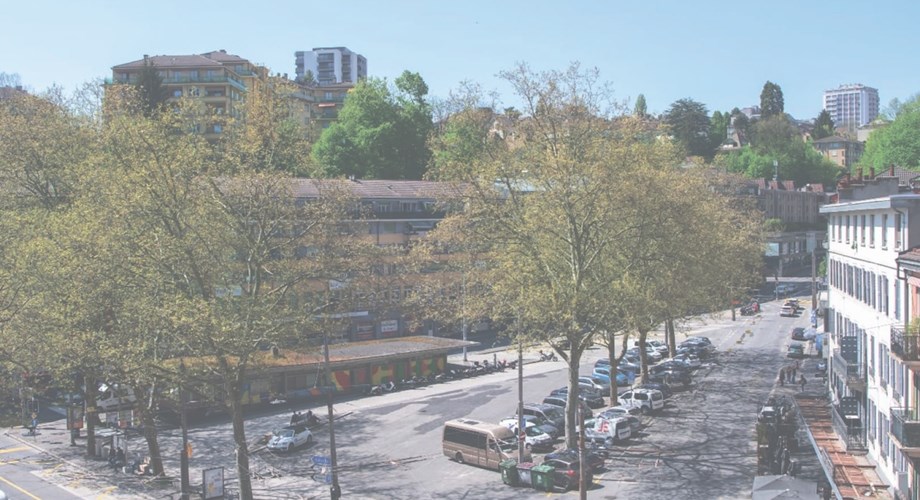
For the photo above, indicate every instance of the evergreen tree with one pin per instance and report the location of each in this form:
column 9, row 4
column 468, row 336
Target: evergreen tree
column 771, row 100
column 824, row 126
column 640, row 110
column 689, row 122
column 151, row 90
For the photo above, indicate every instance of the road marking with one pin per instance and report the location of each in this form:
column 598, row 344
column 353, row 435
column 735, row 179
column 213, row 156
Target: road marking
column 105, row 492
column 24, row 492
column 14, row 450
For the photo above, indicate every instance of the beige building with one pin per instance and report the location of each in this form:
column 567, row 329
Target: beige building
column 840, row 150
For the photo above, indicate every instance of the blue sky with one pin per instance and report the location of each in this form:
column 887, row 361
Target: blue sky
column 718, row 53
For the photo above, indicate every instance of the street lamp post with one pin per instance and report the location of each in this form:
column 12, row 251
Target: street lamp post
column 183, row 422
column 335, row 491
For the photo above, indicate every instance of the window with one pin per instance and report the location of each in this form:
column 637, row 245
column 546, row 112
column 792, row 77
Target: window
column 872, row 231
column 897, row 231
column 884, row 231
column 848, row 229
column 862, row 230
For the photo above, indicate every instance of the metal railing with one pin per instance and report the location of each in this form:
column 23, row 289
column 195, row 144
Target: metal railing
column 904, row 345
column 849, row 429
column 905, row 427
column 855, row 374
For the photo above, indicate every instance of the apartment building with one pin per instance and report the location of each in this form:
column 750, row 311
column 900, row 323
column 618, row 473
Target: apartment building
column 840, row 150
column 392, row 214
column 851, row 106
column 330, row 66
column 874, row 366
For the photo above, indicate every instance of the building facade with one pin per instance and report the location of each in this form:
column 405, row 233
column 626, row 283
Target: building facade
column 851, row 106
column 840, row 150
column 871, row 374
column 330, row 66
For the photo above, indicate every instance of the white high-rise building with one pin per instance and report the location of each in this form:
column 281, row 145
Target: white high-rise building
column 851, row 106
column 331, row 65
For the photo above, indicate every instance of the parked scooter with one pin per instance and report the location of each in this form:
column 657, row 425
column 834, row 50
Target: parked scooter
column 548, row 357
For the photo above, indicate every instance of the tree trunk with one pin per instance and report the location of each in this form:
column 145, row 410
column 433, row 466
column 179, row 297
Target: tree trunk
column 614, row 361
column 148, row 420
column 242, row 448
column 571, row 407
column 672, row 340
column 643, row 357
column 92, row 414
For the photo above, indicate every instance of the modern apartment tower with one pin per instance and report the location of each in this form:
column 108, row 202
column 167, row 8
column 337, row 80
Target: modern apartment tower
column 330, row 66
column 851, row 106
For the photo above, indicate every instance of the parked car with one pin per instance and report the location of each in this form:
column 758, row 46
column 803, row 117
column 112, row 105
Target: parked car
column 651, row 354
column 822, row 366
column 665, row 388
column 796, row 351
column 692, row 361
column 794, row 303
column 602, row 387
column 624, row 377
column 549, row 413
column 594, row 459
column 672, row 365
column 566, row 472
column 787, row 311
column 671, row 377
column 588, row 396
column 562, row 402
column 545, row 426
column 658, row 345
column 536, row 438
column 750, row 309
column 618, row 411
column 647, row 400
column 700, row 351
column 635, row 425
column 290, row 437
column 798, row 333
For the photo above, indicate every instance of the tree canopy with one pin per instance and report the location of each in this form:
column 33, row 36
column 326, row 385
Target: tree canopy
column 690, row 125
column 641, row 109
column 898, row 143
column 381, row 133
column 824, row 126
column 771, row 100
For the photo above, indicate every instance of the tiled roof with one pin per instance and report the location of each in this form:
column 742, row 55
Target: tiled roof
column 172, row 62
column 911, row 255
column 833, row 138
column 359, row 188
column 213, row 58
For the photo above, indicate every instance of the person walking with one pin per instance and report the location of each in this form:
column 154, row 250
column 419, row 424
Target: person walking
column 782, row 376
column 802, row 382
column 794, row 370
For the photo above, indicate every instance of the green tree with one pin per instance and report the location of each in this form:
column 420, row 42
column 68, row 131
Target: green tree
column 898, row 143
column 824, row 126
column 150, row 87
column 741, row 125
column 718, row 129
column 771, row 100
column 640, row 110
column 380, row 133
column 690, row 125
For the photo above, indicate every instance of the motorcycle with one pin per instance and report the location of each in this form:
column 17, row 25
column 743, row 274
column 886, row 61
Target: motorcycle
column 548, row 357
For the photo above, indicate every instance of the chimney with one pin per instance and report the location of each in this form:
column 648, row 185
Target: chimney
column 871, row 173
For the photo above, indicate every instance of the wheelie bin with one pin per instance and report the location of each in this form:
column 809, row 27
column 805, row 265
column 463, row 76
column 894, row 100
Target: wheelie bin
column 509, row 472
column 542, row 477
column 523, row 470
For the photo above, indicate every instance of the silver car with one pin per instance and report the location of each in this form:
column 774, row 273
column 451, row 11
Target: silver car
column 289, row 438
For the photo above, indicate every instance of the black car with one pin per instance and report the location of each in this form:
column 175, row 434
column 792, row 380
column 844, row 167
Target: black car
column 562, row 401
column 670, row 365
column 671, row 377
column 566, row 471
column 595, row 459
column 589, row 397
column 798, row 333
column 665, row 389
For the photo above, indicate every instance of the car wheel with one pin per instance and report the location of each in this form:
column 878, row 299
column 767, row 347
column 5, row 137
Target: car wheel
column 459, row 458
column 528, row 446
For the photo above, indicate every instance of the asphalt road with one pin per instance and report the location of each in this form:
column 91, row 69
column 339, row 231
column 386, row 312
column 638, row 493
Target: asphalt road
column 701, row 446
column 21, row 470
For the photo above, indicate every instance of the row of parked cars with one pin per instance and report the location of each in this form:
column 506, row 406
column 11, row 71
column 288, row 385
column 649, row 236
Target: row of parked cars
column 605, row 427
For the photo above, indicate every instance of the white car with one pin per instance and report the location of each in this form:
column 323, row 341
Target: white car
column 289, row 438
column 646, row 399
column 596, row 384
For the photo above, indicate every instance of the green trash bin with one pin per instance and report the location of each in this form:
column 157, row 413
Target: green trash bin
column 524, row 470
column 543, row 477
column 509, row 472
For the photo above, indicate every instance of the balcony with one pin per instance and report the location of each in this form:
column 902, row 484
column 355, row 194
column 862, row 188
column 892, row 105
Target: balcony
column 855, row 375
column 905, row 429
column 850, row 429
column 905, row 346
column 171, row 80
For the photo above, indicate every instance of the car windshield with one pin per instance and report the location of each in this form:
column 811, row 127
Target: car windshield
column 553, row 413
column 507, row 445
column 533, row 431
column 285, row 433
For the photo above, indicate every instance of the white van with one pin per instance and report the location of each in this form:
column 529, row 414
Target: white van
column 646, row 400
column 609, row 430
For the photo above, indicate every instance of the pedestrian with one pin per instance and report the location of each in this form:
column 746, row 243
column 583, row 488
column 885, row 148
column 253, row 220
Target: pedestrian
column 794, row 369
column 802, row 382
column 74, row 434
column 782, row 376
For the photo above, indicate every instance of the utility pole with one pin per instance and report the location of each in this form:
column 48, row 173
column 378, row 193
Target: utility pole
column 463, row 313
column 582, row 466
column 183, row 422
column 335, row 491
column 814, row 287
column 521, row 428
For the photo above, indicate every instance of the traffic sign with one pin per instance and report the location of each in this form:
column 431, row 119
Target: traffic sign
column 322, row 460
